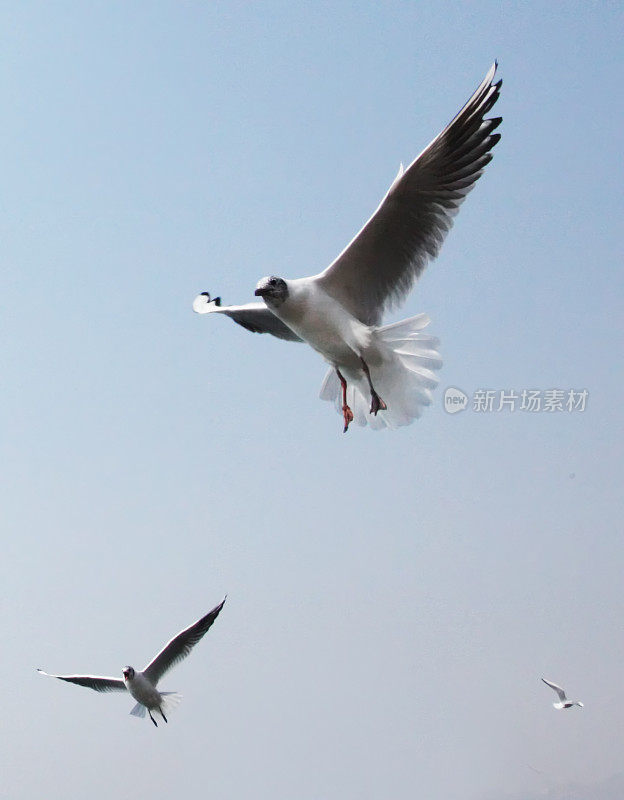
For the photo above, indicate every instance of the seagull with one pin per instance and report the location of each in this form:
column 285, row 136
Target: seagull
column 563, row 700
column 339, row 311
column 142, row 685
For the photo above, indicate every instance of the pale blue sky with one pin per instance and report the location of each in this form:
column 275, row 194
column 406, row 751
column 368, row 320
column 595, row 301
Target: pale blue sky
column 393, row 598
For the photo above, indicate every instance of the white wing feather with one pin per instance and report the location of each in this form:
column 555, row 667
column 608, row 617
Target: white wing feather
column 558, row 689
column 255, row 317
column 379, row 266
column 180, row 646
column 98, row 683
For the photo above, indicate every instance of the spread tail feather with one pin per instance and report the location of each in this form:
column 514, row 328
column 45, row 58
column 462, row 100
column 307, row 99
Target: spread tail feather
column 403, row 375
column 169, row 701
column 139, row 710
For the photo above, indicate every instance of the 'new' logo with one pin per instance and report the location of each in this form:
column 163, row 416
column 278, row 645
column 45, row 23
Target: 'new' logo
column 455, row 400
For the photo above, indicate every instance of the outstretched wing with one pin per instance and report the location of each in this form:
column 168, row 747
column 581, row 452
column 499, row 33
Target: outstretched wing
column 180, row 646
column 558, row 689
column 255, row 317
column 380, row 265
column 96, row 682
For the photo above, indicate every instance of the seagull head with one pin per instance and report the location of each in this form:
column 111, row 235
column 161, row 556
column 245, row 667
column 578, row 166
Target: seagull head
column 128, row 673
column 272, row 290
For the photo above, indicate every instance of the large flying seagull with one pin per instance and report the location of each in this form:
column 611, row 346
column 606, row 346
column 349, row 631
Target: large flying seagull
column 339, row 311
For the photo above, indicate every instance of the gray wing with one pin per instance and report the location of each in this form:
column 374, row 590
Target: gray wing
column 180, row 646
column 558, row 689
column 96, row 682
column 255, row 317
column 380, row 265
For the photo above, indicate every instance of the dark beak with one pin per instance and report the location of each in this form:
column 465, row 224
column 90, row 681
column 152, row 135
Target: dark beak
column 260, row 292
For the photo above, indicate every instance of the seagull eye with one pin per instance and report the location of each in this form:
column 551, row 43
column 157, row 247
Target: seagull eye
column 272, row 282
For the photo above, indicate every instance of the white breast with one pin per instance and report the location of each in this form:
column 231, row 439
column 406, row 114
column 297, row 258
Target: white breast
column 323, row 323
column 143, row 691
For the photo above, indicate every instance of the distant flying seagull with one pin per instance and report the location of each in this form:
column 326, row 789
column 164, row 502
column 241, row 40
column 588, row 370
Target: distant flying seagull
column 339, row 311
column 142, row 685
column 563, row 700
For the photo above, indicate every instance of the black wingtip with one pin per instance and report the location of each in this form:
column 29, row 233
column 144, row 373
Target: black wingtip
column 217, row 609
column 216, row 301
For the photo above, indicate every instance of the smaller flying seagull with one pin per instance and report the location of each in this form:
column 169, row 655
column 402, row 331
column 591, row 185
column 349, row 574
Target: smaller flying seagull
column 142, row 685
column 563, row 700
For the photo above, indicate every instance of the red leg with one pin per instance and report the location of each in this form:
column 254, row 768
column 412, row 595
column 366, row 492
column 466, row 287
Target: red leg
column 346, row 411
column 377, row 404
